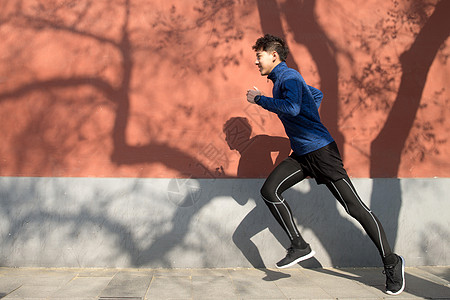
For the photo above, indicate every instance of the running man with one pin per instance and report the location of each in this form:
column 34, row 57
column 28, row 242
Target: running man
column 314, row 154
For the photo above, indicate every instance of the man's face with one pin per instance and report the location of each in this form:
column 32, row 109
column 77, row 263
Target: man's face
column 265, row 61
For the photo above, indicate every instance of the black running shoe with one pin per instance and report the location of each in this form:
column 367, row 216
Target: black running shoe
column 295, row 255
column 395, row 277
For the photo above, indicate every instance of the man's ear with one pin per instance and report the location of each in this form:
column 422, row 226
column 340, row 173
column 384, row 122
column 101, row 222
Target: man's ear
column 275, row 56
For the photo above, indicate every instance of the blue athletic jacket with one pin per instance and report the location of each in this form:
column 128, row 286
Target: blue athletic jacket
column 297, row 104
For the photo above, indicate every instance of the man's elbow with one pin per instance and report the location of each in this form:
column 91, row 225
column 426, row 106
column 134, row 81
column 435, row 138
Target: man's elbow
column 293, row 111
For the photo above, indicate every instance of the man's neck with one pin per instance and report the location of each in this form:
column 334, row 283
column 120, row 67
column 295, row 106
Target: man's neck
column 271, row 75
column 276, row 63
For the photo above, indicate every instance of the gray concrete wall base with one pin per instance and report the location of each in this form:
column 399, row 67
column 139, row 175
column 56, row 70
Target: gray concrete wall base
column 177, row 223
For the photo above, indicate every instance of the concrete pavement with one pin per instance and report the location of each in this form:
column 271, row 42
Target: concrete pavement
column 295, row 283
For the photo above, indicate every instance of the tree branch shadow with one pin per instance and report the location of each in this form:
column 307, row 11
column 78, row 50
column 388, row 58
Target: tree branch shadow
column 387, row 147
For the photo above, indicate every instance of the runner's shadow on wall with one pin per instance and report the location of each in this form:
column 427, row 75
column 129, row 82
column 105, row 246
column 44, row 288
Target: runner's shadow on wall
column 259, row 155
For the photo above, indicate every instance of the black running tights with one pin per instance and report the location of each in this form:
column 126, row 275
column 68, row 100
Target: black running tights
column 288, row 173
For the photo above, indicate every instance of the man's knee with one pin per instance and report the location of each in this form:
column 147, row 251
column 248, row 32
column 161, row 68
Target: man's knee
column 268, row 194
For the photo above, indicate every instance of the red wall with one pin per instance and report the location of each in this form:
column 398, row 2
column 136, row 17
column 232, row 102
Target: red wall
column 144, row 88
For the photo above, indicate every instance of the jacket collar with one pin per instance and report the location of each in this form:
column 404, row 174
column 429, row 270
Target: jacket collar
column 275, row 73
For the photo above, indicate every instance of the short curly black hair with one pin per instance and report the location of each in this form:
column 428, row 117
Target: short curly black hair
column 272, row 43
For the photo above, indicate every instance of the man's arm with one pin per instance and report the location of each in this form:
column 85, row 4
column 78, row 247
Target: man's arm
column 290, row 103
column 317, row 95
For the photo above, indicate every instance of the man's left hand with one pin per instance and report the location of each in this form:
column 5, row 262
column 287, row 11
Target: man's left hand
column 251, row 94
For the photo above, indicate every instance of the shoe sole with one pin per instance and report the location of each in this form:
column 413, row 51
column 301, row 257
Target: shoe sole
column 305, row 257
column 403, row 277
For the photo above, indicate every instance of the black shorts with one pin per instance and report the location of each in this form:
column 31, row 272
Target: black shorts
column 324, row 165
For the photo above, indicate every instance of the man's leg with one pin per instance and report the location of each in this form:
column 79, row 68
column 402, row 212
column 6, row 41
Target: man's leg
column 346, row 194
column 285, row 175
